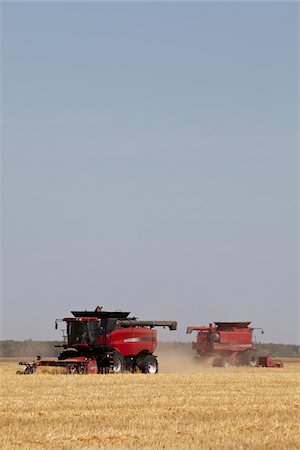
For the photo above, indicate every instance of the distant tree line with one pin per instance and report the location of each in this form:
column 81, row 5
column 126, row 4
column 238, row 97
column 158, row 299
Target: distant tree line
column 280, row 350
column 30, row 348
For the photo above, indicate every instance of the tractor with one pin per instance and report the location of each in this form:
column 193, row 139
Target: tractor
column 231, row 344
column 105, row 341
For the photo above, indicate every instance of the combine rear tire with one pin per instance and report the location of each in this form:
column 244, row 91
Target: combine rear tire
column 149, row 364
column 118, row 363
column 249, row 358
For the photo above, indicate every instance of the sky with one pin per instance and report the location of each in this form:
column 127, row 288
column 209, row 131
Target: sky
column 149, row 164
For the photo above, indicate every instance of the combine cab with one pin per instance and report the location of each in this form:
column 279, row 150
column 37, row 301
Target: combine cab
column 231, row 343
column 104, row 341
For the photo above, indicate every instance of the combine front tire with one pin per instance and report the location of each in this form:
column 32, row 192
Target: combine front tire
column 118, row 366
column 249, row 358
column 149, row 364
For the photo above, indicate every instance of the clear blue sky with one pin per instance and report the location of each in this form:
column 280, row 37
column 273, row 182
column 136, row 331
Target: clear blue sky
column 150, row 164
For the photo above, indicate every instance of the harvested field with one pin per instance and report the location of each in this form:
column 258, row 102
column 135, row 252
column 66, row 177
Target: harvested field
column 199, row 408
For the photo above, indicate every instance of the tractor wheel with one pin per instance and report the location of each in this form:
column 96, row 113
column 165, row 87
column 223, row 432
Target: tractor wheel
column 149, row 364
column 118, row 363
column 249, row 358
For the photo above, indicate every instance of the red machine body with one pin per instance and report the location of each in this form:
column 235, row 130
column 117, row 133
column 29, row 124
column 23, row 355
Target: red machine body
column 231, row 343
column 105, row 341
column 267, row 361
column 128, row 341
column 223, row 337
column 132, row 341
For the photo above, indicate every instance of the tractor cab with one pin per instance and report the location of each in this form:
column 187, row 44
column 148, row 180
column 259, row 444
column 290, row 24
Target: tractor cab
column 82, row 332
column 86, row 327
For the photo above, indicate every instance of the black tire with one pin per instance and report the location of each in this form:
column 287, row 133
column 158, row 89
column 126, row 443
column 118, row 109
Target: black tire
column 149, row 364
column 118, row 366
column 249, row 358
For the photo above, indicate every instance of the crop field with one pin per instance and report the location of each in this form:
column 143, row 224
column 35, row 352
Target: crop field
column 183, row 407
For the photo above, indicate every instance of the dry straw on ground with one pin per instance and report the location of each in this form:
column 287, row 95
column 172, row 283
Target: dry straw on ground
column 199, row 408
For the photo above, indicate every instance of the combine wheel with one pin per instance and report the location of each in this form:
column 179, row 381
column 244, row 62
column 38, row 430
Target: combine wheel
column 249, row 358
column 118, row 363
column 149, row 364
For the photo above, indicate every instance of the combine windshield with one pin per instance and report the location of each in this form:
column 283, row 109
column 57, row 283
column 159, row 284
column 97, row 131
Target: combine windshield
column 82, row 332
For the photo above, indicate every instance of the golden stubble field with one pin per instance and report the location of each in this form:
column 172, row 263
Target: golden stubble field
column 199, row 407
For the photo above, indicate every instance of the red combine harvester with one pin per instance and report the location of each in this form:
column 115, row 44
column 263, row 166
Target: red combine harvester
column 103, row 341
column 231, row 343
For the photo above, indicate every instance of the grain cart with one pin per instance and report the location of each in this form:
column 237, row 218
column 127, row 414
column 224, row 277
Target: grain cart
column 231, row 343
column 105, row 341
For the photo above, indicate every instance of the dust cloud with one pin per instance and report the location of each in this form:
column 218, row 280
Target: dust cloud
column 180, row 359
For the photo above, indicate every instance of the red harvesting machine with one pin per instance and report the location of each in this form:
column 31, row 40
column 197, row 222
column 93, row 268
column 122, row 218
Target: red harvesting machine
column 231, row 343
column 103, row 341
